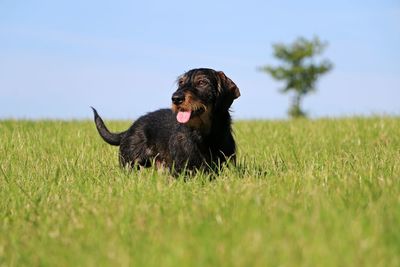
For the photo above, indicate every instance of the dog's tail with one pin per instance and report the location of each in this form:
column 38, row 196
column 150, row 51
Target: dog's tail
column 111, row 138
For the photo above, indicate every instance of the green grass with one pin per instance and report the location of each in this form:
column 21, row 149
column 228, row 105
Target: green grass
column 304, row 193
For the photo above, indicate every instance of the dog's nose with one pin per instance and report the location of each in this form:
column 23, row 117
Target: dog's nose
column 178, row 98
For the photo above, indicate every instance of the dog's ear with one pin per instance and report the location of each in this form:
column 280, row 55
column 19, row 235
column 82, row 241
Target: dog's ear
column 228, row 85
column 228, row 91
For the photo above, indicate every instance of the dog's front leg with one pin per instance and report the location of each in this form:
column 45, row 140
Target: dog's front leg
column 186, row 153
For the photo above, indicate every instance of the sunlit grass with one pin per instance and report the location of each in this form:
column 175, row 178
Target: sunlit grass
column 304, row 193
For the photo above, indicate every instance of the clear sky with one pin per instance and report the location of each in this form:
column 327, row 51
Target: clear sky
column 57, row 58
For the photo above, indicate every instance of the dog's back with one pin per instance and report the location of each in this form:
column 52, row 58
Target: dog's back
column 147, row 139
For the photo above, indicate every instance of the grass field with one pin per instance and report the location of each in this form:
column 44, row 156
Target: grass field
column 304, row 193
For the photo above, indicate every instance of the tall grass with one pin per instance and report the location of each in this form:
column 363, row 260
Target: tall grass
column 304, row 193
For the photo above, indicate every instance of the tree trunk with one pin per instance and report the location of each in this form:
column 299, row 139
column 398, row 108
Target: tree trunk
column 295, row 110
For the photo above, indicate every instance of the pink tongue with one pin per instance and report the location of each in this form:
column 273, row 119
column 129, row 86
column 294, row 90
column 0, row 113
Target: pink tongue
column 183, row 116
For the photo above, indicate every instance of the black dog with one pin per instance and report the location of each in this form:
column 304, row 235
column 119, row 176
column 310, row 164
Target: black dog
column 195, row 134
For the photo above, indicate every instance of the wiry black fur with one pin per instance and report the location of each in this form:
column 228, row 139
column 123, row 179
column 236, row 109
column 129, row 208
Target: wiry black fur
column 158, row 136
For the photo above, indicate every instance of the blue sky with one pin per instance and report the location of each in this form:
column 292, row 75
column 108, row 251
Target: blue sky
column 57, row 58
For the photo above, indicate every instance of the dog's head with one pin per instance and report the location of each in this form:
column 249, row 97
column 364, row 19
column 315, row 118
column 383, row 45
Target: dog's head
column 200, row 93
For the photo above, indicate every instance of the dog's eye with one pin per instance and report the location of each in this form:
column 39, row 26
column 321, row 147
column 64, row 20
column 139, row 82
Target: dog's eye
column 202, row 83
column 180, row 82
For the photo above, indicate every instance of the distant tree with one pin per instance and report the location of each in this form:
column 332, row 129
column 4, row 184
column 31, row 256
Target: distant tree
column 299, row 71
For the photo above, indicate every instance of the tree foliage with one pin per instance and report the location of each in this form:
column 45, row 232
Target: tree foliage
column 299, row 70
